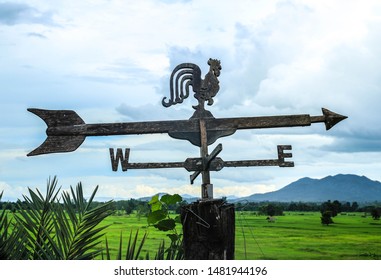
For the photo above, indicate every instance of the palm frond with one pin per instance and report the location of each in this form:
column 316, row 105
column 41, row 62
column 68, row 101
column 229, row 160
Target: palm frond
column 133, row 249
column 36, row 217
column 132, row 246
column 49, row 229
column 173, row 252
column 108, row 256
column 77, row 225
column 12, row 242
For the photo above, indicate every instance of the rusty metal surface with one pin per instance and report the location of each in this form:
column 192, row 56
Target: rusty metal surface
column 66, row 130
column 210, row 162
column 65, row 135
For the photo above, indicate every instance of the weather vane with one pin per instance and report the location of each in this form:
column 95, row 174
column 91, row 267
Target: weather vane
column 66, row 131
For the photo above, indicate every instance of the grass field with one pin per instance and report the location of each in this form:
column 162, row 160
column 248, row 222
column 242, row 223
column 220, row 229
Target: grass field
column 294, row 236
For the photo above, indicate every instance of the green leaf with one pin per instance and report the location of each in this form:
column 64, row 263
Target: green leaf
column 171, row 199
column 156, row 216
column 178, row 219
column 154, row 199
column 173, row 237
column 165, row 225
column 155, row 203
column 156, row 206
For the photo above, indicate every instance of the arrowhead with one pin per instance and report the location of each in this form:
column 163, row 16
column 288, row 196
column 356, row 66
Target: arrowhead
column 331, row 118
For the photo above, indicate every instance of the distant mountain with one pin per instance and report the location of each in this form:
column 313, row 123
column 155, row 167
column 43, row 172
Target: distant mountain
column 188, row 198
column 339, row 187
column 148, row 198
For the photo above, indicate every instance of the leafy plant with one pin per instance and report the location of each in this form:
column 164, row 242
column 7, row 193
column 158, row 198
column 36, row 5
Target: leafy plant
column 133, row 248
column 11, row 245
column 376, row 213
column 326, row 218
column 67, row 227
column 160, row 218
column 46, row 228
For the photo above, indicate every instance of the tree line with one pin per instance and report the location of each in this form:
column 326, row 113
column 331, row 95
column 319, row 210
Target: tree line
column 141, row 207
column 336, row 206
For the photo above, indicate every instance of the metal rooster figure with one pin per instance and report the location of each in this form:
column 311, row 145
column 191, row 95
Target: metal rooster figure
column 66, row 130
column 190, row 75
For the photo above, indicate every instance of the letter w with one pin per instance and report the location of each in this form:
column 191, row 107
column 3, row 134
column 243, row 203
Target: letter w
column 119, row 157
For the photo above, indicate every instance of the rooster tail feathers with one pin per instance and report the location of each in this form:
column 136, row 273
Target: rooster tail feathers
column 182, row 77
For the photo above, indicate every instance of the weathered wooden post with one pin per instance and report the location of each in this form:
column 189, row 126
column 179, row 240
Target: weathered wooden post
column 209, row 230
column 208, row 224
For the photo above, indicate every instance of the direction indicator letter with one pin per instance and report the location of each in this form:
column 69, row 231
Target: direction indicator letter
column 282, row 155
column 119, row 157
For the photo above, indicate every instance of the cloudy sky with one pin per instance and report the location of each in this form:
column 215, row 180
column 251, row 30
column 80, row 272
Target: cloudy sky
column 110, row 61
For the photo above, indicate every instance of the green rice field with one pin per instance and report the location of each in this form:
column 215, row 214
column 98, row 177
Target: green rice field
column 294, row 236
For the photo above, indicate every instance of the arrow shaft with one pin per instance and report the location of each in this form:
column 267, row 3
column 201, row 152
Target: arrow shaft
column 259, row 122
column 105, row 129
column 317, row 119
column 192, row 125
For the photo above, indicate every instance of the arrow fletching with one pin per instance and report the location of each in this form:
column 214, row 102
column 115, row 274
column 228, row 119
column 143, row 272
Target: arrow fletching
column 58, row 144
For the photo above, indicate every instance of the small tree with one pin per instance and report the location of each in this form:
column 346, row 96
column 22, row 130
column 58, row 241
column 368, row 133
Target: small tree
column 160, row 218
column 333, row 207
column 142, row 210
column 271, row 210
column 326, row 218
column 376, row 213
column 355, row 206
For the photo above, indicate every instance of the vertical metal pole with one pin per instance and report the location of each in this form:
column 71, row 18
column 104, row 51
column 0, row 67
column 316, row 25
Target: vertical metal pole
column 206, row 187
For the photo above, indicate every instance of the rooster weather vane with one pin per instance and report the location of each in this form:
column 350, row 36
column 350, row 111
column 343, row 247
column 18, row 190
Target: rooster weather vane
column 190, row 75
column 66, row 130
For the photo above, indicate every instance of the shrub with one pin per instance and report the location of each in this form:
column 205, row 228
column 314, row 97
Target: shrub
column 326, row 218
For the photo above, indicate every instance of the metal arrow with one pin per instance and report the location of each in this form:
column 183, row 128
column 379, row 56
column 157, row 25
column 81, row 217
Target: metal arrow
column 66, row 131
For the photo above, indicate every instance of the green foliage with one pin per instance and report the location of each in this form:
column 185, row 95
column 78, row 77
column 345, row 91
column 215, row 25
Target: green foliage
column 271, row 209
column 156, row 215
column 333, row 207
column 46, row 228
column 142, row 210
column 326, row 218
column 11, row 242
column 168, row 199
column 133, row 248
column 294, row 236
column 69, row 227
column 160, row 218
column 159, row 215
column 174, row 252
column 376, row 213
column 301, row 236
